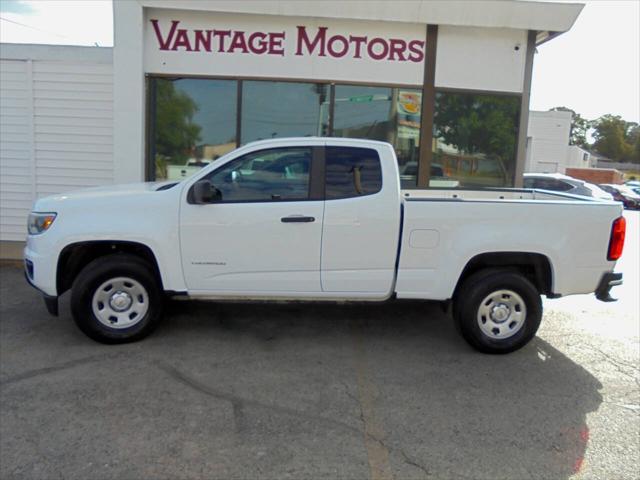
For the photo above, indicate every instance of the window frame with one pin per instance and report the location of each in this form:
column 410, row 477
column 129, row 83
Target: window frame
column 351, row 196
column 315, row 184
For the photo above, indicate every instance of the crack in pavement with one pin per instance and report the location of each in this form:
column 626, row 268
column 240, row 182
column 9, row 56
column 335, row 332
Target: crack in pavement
column 240, row 404
column 55, row 368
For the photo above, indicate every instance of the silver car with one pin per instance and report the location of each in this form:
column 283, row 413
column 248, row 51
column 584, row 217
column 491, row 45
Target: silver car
column 563, row 183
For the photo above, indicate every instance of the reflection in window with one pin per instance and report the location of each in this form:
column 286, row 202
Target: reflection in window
column 352, row 172
column 283, row 109
column 475, row 139
column 265, row 176
column 380, row 113
column 194, row 122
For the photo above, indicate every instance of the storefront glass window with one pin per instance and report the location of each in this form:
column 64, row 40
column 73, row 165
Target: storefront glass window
column 380, row 113
column 283, row 109
column 193, row 123
column 474, row 140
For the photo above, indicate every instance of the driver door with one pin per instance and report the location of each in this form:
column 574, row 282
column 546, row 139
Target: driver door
column 262, row 236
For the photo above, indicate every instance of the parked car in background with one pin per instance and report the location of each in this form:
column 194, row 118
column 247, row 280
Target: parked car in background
column 438, row 179
column 563, row 183
column 629, row 197
column 191, row 166
column 617, row 196
column 634, row 185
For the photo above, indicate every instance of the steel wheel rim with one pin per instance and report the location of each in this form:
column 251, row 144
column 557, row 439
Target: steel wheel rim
column 120, row 302
column 501, row 314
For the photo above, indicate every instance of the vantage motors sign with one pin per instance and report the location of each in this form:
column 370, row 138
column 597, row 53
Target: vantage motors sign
column 234, row 45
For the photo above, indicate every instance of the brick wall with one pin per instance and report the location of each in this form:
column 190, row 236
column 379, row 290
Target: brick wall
column 596, row 175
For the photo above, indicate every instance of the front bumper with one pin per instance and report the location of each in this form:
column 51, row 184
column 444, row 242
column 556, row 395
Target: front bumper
column 608, row 281
column 50, row 301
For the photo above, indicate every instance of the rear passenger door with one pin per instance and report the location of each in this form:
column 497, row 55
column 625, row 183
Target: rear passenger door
column 361, row 220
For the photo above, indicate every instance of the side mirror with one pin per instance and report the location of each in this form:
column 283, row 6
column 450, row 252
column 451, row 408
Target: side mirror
column 204, row 192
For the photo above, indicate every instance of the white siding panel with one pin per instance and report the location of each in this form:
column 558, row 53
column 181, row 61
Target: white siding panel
column 75, row 164
column 6, row 128
column 45, row 129
column 74, row 147
column 75, row 86
column 73, row 68
column 72, row 138
column 8, row 179
column 79, row 156
column 12, row 85
column 16, row 182
column 71, row 77
column 77, row 104
column 75, row 173
column 56, row 119
column 11, row 66
column 76, row 95
column 42, row 120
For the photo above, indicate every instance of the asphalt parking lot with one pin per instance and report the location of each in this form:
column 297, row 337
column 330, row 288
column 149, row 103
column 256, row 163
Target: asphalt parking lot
column 279, row 391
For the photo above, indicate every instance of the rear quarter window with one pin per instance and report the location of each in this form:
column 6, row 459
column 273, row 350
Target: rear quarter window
column 351, row 172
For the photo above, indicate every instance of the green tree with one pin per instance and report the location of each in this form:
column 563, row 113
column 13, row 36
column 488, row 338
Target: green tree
column 579, row 128
column 176, row 134
column 613, row 137
column 478, row 123
column 633, row 139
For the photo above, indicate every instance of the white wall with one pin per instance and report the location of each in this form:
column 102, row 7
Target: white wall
column 56, row 119
column 481, row 58
column 548, row 149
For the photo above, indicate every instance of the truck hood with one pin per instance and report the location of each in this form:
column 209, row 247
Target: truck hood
column 54, row 202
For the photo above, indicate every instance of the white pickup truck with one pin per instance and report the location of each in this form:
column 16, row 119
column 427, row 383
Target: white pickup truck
column 319, row 219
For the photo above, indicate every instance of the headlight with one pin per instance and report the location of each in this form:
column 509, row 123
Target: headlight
column 40, row 222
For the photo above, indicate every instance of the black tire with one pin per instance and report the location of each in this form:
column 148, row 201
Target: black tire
column 471, row 296
column 96, row 274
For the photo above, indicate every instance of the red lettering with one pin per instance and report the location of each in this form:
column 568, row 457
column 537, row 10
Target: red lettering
column 311, row 45
column 221, row 34
column 397, row 47
column 338, row 53
column 238, row 42
column 380, row 55
column 261, row 46
column 182, row 40
column 203, row 39
column 164, row 43
column 275, row 43
column 416, row 47
column 359, row 41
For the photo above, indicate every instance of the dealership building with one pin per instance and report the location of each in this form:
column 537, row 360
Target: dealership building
column 446, row 82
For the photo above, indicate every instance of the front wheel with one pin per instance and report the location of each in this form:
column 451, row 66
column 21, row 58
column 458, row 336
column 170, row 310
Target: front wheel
column 116, row 299
column 497, row 311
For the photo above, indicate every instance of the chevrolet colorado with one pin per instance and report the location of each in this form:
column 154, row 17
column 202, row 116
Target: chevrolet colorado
column 319, row 219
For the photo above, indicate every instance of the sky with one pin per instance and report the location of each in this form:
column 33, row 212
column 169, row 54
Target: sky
column 593, row 69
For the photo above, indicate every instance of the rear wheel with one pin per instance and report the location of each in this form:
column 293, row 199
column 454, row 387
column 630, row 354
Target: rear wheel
column 497, row 311
column 116, row 299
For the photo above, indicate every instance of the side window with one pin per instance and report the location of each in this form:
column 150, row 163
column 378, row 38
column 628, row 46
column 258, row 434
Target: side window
column 265, row 176
column 563, row 186
column 351, row 172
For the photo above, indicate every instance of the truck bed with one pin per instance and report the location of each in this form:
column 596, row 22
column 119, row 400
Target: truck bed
column 444, row 229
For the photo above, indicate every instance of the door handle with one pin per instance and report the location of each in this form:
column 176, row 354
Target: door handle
column 297, row 219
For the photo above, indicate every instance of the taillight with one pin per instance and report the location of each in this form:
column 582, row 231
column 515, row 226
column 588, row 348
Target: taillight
column 616, row 242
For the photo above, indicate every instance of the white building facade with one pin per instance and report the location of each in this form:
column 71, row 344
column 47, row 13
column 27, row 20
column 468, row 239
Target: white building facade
column 447, row 83
column 56, row 126
column 548, row 148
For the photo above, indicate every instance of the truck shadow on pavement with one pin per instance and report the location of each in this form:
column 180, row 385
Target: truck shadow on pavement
column 440, row 406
